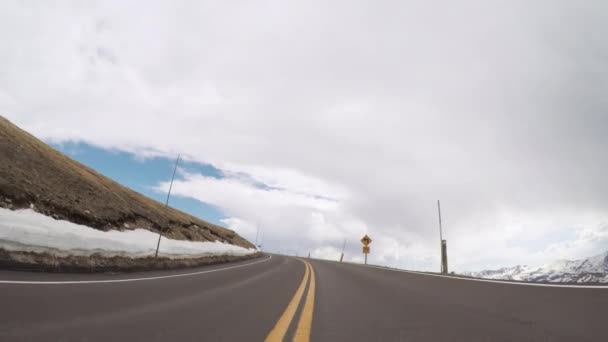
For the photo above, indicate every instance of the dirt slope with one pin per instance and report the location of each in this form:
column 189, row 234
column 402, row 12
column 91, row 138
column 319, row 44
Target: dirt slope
column 32, row 172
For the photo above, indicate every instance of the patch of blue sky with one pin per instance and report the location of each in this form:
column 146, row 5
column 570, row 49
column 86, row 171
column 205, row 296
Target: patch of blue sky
column 262, row 186
column 144, row 174
column 243, row 177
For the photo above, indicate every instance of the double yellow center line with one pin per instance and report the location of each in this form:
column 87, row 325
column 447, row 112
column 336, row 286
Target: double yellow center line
column 302, row 333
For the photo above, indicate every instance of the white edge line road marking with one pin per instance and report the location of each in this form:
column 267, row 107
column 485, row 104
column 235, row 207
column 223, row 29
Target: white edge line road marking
column 605, row 287
column 129, row 279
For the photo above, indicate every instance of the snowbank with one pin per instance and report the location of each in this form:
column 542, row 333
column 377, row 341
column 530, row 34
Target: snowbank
column 27, row 230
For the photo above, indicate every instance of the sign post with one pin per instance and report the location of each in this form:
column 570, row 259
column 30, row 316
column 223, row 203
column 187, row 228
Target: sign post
column 366, row 240
column 443, row 244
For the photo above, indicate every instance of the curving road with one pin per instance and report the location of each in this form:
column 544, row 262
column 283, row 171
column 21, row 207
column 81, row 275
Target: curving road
column 277, row 298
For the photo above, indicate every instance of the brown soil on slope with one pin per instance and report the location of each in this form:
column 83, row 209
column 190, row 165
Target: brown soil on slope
column 33, row 173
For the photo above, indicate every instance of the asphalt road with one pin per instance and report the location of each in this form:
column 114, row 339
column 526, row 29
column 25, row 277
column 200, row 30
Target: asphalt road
column 283, row 298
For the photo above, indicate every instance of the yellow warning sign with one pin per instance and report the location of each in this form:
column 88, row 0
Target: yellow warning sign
column 366, row 240
column 365, row 249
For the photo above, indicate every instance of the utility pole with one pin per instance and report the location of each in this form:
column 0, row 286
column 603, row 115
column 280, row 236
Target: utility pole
column 342, row 253
column 443, row 244
column 261, row 245
column 439, row 211
column 167, row 201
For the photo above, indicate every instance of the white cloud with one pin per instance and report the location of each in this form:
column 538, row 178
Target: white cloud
column 287, row 219
column 359, row 118
column 246, row 229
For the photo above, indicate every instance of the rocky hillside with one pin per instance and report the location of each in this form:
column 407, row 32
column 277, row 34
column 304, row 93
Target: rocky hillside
column 32, row 174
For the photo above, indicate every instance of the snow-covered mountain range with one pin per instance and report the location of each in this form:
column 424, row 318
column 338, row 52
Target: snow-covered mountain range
column 590, row 270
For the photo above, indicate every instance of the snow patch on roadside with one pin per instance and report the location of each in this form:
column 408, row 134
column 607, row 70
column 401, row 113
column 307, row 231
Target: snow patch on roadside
column 29, row 231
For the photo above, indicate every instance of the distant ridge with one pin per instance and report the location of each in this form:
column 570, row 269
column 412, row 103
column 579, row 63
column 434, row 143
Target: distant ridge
column 589, row 270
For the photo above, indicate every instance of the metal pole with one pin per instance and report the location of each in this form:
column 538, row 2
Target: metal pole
column 262, row 239
column 440, row 236
column 440, row 232
column 342, row 253
column 366, row 258
column 167, row 202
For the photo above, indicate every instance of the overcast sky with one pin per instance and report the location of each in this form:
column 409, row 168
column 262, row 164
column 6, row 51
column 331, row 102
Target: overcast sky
column 332, row 119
